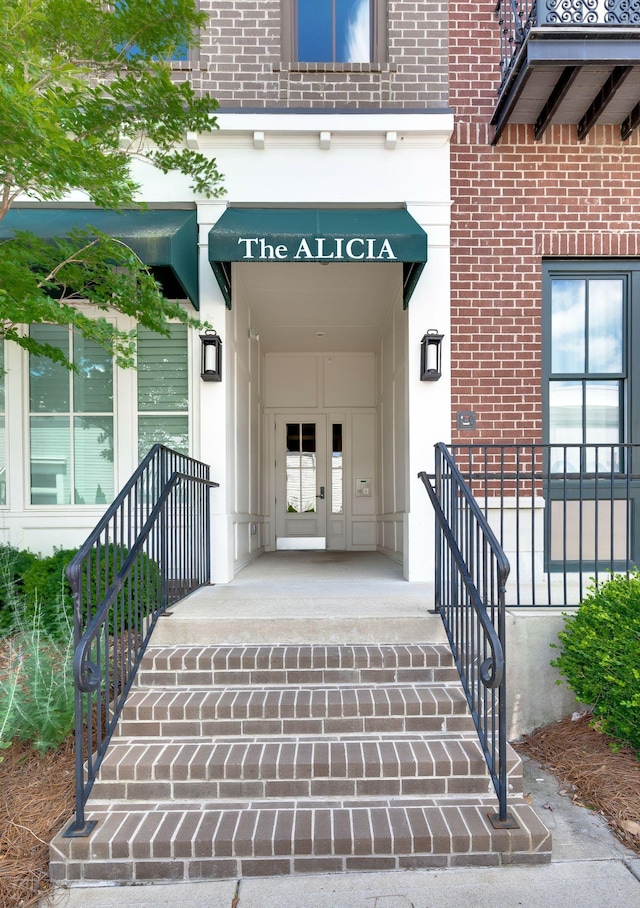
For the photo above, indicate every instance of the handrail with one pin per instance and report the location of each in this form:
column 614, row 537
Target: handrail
column 83, row 671
column 471, row 575
column 492, row 669
column 151, row 548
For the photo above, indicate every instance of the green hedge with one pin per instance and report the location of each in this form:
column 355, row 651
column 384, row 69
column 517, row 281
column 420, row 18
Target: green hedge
column 601, row 655
column 28, row 581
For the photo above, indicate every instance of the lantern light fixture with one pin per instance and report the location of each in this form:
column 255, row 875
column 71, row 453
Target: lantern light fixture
column 211, row 356
column 431, row 356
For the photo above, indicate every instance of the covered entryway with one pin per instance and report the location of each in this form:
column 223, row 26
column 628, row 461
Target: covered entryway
column 320, row 297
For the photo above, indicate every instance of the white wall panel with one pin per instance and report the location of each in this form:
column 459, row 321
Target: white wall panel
column 291, row 381
column 349, row 381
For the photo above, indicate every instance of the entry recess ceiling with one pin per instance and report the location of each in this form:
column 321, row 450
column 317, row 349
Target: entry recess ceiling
column 315, row 308
column 382, row 235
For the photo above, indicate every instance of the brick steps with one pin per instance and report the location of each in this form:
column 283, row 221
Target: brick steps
column 250, row 760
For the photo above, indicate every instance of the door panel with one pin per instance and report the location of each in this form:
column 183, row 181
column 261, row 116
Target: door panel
column 301, row 481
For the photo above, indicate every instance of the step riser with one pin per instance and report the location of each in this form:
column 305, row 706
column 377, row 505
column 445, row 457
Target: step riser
column 334, row 726
column 298, row 788
column 188, row 678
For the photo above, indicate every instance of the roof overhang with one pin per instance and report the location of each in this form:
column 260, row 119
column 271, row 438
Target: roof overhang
column 165, row 240
column 317, row 235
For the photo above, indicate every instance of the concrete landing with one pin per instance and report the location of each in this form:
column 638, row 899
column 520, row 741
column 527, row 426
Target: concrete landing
column 304, row 597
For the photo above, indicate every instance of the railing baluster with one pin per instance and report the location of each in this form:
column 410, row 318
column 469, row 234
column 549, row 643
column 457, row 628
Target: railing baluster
column 121, row 580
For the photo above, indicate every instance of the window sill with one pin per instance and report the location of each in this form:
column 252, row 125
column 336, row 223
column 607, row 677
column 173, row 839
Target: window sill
column 333, row 67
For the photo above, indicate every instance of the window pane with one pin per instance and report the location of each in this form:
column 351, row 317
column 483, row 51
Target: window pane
column 353, row 31
column 50, row 460
column 309, row 437
column 293, row 436
column 301, row 468
column 605, row 325
column 602, row 419
column 568, row 326
column 172, row 431
column 49, row 382
column 565, row 412
column 315, row 31
column 93, row 454
column 334, row 31
column 93, row 383
column 163, row 370
column 337, row 506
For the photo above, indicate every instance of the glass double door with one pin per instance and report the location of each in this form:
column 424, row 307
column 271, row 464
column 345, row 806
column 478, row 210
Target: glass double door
column 308, row 479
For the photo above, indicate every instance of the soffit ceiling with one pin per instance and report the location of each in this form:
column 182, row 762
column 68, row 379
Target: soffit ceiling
column 314, row 308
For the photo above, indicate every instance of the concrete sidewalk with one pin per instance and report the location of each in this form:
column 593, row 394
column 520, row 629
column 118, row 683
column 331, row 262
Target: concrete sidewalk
column 589, row 869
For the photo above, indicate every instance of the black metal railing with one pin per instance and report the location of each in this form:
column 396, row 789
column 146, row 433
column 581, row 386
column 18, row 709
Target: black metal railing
column 516, row 18
column 471, row 575
column 566, row 515
column 150, row 549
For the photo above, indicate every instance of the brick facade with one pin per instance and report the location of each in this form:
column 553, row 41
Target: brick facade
column 514, row 203
column 240, row 61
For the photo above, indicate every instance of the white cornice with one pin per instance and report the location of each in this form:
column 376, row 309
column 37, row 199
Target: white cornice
column 437, row 126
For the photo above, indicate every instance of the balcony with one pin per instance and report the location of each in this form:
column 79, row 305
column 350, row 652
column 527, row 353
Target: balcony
column 569, row 61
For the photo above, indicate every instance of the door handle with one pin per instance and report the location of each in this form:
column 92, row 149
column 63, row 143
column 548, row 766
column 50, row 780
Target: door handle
column 321, row 495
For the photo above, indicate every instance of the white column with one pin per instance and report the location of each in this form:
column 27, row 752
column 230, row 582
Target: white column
column 211, row 412
column 429, row 402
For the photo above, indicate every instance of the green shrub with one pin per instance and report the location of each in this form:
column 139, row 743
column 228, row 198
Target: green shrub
column 37, row 691
column 601, row 655
column 29, row 579
column 45, row 583
column 14, row 563
column 32, row 581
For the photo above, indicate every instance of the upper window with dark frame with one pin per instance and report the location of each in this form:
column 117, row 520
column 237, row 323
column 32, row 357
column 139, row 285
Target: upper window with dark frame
column 588, row 325
column 333, row 31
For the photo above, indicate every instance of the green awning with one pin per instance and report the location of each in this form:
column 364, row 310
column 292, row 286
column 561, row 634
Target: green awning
column 317, row 235
column 166, row 240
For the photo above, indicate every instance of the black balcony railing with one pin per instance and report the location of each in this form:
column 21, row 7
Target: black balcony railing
column 471, row 573
column 565, row 515
column 516, row 18
column 150, row 549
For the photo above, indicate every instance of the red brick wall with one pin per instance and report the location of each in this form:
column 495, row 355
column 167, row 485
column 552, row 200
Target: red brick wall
column 514, row 203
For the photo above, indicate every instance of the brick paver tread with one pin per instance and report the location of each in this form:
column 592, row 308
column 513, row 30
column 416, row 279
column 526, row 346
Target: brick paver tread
column 396, row 830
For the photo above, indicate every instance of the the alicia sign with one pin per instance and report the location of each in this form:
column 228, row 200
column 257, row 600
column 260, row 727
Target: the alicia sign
column 318, row 248
column 385, row 235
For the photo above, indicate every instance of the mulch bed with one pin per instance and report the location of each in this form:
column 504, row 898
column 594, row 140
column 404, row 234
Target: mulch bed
column 595, row 772
column 36, row 800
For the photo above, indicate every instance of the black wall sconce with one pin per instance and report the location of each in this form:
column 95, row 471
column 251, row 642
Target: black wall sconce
column 431, row 356
column 211, row 356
